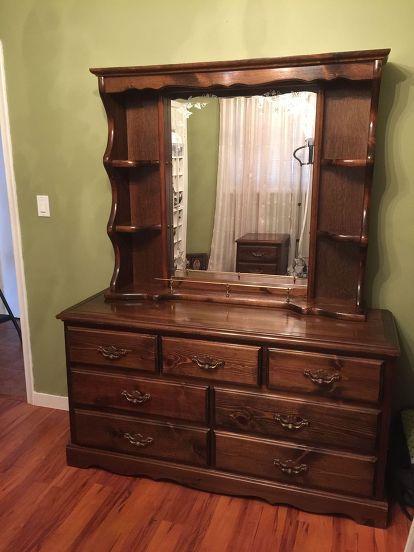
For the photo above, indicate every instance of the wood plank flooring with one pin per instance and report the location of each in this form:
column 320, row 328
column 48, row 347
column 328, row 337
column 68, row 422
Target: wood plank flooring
column 12, row 382
column 49, row 507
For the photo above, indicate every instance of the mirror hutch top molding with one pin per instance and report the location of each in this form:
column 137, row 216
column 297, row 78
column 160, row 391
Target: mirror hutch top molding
column 138, row 162
column 193, row 379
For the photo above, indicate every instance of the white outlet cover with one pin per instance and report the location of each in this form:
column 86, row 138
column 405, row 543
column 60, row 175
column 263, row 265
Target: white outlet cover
column 43, row 206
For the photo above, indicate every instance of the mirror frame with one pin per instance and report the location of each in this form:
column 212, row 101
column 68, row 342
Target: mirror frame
column 136, row 100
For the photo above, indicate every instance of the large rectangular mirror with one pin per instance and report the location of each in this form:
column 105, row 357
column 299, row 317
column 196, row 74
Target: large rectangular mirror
column 242, row 181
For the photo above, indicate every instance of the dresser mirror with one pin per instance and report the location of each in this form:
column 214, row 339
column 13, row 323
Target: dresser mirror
column 242, row 180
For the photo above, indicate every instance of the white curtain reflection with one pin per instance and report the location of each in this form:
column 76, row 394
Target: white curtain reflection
column 259, row 183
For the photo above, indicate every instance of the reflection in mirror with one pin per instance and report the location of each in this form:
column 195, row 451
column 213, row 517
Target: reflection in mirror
column 242, row 176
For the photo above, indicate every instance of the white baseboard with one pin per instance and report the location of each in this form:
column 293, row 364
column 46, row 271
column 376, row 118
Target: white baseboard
column 50, row 401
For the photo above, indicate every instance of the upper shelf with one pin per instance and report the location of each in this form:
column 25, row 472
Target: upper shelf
column 348, row 238
column 131, row 163
column 346, row 162
column 129, row 229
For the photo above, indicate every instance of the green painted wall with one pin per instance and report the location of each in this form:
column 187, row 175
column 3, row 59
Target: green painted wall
column 59, row 131
column 202, row 137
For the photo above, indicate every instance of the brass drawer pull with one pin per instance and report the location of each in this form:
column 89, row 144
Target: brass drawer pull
column 207, row 363
column 321, row 377
column 289, row 466
column 290, row 421
column 112, row 352
column 138, row 440
column 136, row 397
column 257, row 253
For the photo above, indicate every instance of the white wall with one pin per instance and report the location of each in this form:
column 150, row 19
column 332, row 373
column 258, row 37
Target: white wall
column 7, row 266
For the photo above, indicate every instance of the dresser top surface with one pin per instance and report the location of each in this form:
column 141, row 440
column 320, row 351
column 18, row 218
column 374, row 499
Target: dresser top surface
column 265, row 239
column 376, row 336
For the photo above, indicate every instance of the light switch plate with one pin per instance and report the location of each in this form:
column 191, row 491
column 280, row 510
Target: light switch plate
column 43, row 206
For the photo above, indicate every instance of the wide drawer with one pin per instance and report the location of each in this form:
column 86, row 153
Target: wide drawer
column 297, row 465
column 140, row 395
column 143, row 438
column 325, row 375
column 257, row 268
column 306, row 421
column 122, row 349
column 258, row 254
column 210, row 360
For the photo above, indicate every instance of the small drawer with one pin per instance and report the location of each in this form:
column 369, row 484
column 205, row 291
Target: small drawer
column 330, row 376
column 257, row 268
column 212, row 361
column 258, row 254
column 140, row 395
column 304, row 421
column 296, row 465
column 142, row 438
column 122, row 349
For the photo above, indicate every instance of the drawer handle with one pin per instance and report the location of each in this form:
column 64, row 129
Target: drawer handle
column 291, row 421
column 136, row 397
column 112, row 352
column 290, row 467
column 257, row 253
column 321, row 377
column 207, row 363
column 138, row 440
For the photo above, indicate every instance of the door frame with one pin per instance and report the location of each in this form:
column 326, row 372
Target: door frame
column 15, row 230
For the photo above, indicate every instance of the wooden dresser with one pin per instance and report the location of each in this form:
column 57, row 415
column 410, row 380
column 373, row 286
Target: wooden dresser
column 263, row 403
column 263, row 253
column 255, row 385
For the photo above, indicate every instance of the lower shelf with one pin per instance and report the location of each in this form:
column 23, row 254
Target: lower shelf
column 363, row 510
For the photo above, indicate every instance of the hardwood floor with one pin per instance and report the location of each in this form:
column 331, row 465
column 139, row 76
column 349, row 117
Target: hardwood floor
column 49, row 507
column 12, row 382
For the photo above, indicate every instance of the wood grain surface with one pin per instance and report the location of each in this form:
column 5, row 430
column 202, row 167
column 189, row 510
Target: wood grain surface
column 48, row 506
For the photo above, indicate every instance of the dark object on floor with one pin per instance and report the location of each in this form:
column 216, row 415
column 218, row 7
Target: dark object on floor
column 10, row 315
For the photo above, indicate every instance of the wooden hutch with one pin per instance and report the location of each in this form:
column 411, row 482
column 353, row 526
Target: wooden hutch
column 279, row 391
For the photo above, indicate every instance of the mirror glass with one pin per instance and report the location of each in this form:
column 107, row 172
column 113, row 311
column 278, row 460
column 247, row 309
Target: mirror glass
column 242, row 178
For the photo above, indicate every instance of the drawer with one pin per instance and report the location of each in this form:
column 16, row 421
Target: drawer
column 257, row 268
column 331, row 376
column 210, row 360
column 295, row 419
column 122, row 349
column 257, row 253
column 140, row 395
column 142, row 438
column 297, row 465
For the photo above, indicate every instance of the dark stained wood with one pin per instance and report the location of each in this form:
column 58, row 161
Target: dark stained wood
column 376, row 336
column 321, row 423
column 354, row 379
column 363, row 510
column 140, row 437
column 313, row 430
column 137, row 103
column 348, row 185
column 262, row 253
column 120, row 349
column 260, row 348
column 139, row 395
column 209, row 360
column 317, row 468
column 258, row 268
column 47, row 505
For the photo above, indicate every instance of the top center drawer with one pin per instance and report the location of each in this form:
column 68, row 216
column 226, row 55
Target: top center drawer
column 210, row 360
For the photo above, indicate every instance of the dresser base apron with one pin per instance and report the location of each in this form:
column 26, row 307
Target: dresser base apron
column 362, row 510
